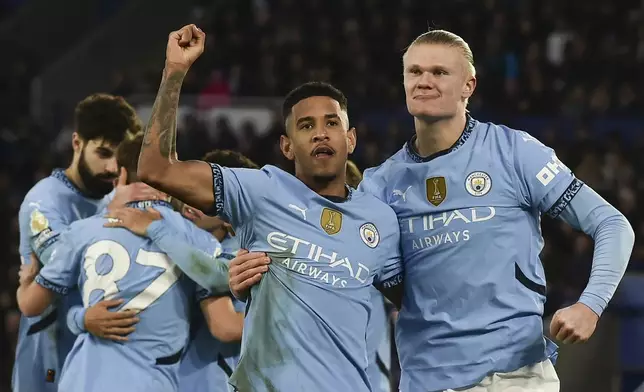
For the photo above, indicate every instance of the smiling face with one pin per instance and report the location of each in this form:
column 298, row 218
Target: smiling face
column 318, row 138
column 438, row 80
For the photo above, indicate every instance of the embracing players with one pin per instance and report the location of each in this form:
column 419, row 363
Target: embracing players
column 101, row 122
column 108, row 263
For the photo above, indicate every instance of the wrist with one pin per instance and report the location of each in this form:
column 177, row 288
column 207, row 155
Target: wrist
column 175, row 69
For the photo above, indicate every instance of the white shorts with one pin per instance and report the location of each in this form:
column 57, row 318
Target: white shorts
column 540, row 377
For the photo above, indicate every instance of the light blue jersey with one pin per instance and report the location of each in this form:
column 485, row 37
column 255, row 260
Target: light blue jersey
column 109, row 263
column 44, row 341
column 470, row 233
column 306, row 324
column 208, row 363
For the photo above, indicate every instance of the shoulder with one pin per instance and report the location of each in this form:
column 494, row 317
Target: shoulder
column 84, row 226
column 377, row 209
column 502, row 135
column 183, row 225
column 507, row 136
column 47, row 193
column 386, row 170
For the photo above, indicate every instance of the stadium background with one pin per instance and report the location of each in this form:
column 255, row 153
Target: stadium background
column 569, row 72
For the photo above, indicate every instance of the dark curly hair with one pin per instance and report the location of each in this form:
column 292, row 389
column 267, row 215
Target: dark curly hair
column 312, row 89
column 105, row 116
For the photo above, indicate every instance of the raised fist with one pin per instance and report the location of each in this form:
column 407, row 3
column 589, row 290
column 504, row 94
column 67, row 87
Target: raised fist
column 184, row 47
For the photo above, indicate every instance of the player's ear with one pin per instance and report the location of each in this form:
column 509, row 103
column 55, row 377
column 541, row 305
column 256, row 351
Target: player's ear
column 469, row 87
column 287, row 147
column 77, row 142
column 352, row 139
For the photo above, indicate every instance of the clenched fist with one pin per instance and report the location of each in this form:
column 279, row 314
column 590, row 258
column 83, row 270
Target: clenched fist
column 574, row 324
column 184, row 47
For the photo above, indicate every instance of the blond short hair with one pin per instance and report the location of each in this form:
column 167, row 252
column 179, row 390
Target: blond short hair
column 447, row 38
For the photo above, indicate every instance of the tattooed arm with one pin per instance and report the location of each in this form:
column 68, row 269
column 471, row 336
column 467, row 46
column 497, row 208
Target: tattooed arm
column 189, row 181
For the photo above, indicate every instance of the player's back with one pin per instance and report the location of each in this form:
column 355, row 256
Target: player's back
column 44, row 342
column 115, row 263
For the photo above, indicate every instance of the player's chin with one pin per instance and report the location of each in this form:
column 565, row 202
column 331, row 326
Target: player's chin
column 426, row 110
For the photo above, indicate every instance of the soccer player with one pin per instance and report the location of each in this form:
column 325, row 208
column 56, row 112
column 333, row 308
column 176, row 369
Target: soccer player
column 101, row 122
column 113, row 262
column 306, row 321
column 469, row 197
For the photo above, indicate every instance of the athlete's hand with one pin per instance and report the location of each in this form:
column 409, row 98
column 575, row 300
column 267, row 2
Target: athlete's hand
column 137, row 191
column 135, row 220
column 100, row 321
column 574, row 324
column 184, row 47
column 205, row 222
column 245, row 271
column 28, row 272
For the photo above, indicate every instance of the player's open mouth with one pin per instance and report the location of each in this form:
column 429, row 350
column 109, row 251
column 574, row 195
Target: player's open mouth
column 323, row 152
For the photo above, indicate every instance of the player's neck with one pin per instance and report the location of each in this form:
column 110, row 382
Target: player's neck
column 74, row 176
column 439, row 135
column 335, row 187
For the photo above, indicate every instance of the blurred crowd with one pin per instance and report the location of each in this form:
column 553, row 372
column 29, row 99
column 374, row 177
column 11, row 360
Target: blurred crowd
column 574, row 63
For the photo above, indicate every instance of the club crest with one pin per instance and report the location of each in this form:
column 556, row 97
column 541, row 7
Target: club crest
column 331, row 221
column 369, row 235
column 478, row 183
column 436, row 190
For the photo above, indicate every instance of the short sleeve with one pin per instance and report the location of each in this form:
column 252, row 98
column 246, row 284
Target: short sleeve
column 391, row 273
column 236, row 192
column 40, row 225
column 62, row 272
column 544, row 182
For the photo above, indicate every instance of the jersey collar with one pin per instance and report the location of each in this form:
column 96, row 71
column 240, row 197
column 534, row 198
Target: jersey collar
column 60, row 175
column 410, row 146
column 337, row 199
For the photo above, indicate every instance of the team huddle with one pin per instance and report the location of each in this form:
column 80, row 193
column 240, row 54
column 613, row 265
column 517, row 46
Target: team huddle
column 218, row 275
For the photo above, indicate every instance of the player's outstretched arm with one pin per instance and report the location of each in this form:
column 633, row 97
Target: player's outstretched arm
column 203, row 267
column 189, row 181
column 32, row 298
column 223, row 321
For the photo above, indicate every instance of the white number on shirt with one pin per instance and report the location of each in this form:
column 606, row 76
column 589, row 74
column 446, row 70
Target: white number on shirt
column 120, row 266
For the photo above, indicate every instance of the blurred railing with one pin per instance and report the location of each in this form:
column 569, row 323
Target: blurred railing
column 257, row 109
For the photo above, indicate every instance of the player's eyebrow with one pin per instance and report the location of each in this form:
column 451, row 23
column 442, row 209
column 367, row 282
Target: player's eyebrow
column 311, row 118
column 435, row 67
column 104, row 150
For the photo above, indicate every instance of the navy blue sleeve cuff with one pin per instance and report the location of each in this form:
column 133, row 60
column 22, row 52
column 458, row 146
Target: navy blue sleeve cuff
column 565, row 198
column 49, row 285
column 218, row 190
